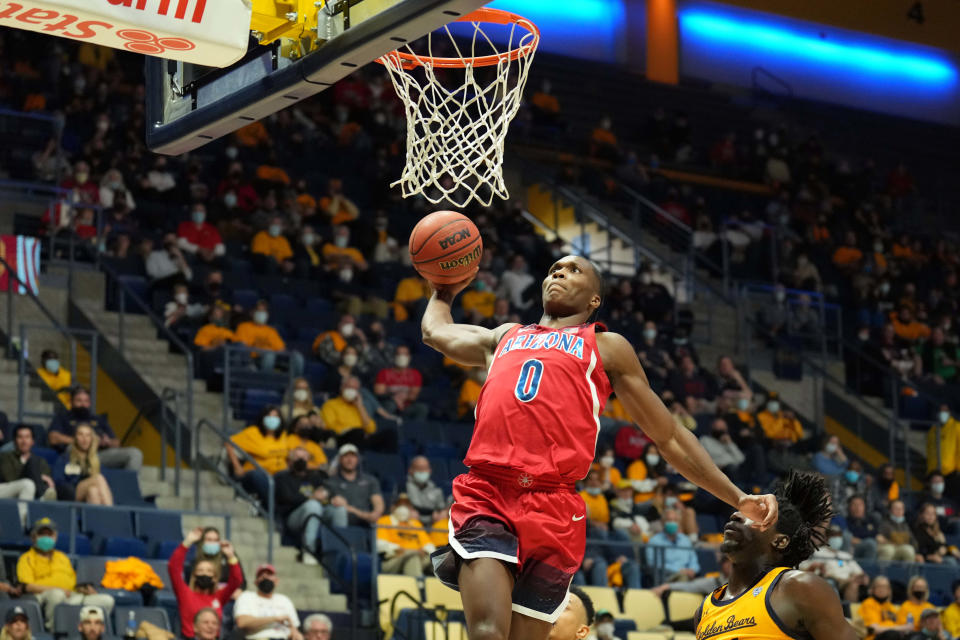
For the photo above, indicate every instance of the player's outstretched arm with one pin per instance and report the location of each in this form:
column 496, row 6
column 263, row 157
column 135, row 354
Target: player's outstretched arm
column 808, row 602
column 677, row 445
column 466, row 343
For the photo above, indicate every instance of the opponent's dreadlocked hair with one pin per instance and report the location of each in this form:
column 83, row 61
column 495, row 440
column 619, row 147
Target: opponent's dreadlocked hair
column 805, row 513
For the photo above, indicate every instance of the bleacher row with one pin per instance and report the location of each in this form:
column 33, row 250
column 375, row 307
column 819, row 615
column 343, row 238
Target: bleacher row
column 66, row 619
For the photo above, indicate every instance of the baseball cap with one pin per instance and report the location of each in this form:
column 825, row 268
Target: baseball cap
column 927, row 613
column 624, row 483
column 603, row 612
column 348, row 448
column 91, row 613
column 16, row 612
column 43, row 523
column 265, row 568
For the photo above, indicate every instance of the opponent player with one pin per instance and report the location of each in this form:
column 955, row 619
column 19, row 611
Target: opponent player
column 518, row 529
column 765, row 598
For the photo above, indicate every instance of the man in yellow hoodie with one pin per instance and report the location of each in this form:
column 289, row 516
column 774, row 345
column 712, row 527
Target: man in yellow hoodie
column 402, row 540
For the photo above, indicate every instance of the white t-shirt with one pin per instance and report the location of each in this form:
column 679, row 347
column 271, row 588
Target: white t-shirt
column 250, row 603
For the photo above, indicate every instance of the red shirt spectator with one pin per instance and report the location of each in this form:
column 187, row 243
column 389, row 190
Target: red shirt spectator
column 190, row 601
column 84, row 189
column 246, row 195
column 197, row 234
column 630, row 443
column 401, row 383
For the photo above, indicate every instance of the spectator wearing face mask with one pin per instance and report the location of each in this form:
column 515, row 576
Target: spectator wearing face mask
column 329, row 345
column 201, row 591
column 385, row 247
column 303, row 501
column 916, row 603
column 179, row 313
column 304, row 435
column 307, row 256
column 340, row 253
column 54, row 376
column 672, row 551
column 778, row 424
column 721, row 447
column 478, row 300
column 166, row 266
column 605, row 626
column 830, row 460
column 338, row 206
column 895, row 540
column 878, row 613
column 209, row 548
column 346, row 367
column 655, row 359
column 398, row 387
column 837, row 566
column 298, row 402
column 606, row 461
column 425, row 496
column 931, row 627
column 216, row 332
column 626, row 515
column 884, row 490
column 271, row 250
column 402, row 542
column 64, row 426
column 264, row 443
column 346, row 416
column 647, row 473
column 944, row 505
column 199, row 238
column 943, row 445
column 265, row 341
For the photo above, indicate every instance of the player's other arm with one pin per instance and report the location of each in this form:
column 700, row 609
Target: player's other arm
column 465, row 343
column 811, row 604
column 676, row 444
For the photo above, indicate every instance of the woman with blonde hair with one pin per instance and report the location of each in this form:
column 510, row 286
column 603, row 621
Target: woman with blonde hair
column 77, row 471
column 298, row 401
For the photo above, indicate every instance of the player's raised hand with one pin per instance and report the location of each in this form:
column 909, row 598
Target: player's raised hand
column 762, row 510
column 450, row 291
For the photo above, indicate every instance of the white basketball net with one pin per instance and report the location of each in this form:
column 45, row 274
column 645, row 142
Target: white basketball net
column 455, row 136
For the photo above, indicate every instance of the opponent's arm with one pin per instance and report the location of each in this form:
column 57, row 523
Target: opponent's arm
column 466, row 343
column 677, row 445
column 805, row 601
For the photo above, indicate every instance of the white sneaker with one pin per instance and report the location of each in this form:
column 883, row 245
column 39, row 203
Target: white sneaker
column 309, row 559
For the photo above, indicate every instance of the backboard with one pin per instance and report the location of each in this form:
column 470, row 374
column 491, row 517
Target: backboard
column 189, row 105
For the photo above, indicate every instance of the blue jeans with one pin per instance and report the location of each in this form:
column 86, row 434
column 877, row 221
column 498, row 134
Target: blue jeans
column 256, row 483
column 306, row 518
column 268, row 362
column 866, row 550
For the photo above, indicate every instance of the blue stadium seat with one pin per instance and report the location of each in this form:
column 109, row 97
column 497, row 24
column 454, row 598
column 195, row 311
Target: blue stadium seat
column 107, row 522
column 125, row 547
column 125, row 485
column 254, row 400
column 153, row 615
column 708, row 560
column 707, row 523
column 50, row 455
column 83, row 546
column 315, row 371
column 164, row 550
column 11, row 533
column 246, row 298
column 140, row 287
column 385, row 466
column 159, row 526
column 66, row 621
column 284, row 304
column 440, row 470
column 317, row 306
column 31, row 607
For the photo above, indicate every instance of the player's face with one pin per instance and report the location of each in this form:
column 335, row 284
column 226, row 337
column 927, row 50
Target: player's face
column 741, row 540
column 570, row 287
column 572, row 623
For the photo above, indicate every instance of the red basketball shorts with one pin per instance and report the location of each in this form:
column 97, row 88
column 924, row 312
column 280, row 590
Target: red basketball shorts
column 536, row 525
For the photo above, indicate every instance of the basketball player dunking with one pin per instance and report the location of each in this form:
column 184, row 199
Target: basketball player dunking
column 518, row 526
column 765, row 599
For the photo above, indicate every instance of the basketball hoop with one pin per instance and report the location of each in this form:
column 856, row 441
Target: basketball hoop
column 458, row 131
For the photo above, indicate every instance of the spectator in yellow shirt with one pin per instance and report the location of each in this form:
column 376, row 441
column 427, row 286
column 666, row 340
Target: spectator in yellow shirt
column 265, row 341
column 951, row 615
column 647, row 474
column 479, row 299
column 302, row 436
column 56, row 377
column 334, row 254
column 402, row 541
column 598, row 510
column 410, row 299
column 949, row 430
column 915, row 604
column 876, row 611
column 346, row 416
column 335, row 204
column 265, row 444
column 216, row 333
column 778, row 424
column 271, row 249
column 906, row 327
column 48, row 575
column 610, row 475
column 546, row 107
column 329, row 345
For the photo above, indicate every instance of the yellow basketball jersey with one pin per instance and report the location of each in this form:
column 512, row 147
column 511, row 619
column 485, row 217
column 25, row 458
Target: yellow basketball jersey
column 749, row 616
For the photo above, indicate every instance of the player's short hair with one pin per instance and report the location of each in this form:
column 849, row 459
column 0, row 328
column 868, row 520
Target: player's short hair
column 805, row 512
column 587, row 603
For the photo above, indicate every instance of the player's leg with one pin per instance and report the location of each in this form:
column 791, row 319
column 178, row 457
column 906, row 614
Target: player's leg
column 486, row 587
column 526, row 628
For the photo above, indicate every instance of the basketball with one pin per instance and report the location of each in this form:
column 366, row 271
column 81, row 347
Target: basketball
column 445, row 247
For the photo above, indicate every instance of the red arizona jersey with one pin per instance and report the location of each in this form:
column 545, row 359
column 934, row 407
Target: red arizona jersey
column 539, row 410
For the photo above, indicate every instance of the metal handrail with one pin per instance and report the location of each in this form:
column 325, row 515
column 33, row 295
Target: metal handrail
column 270, row 511
column 126, row 291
